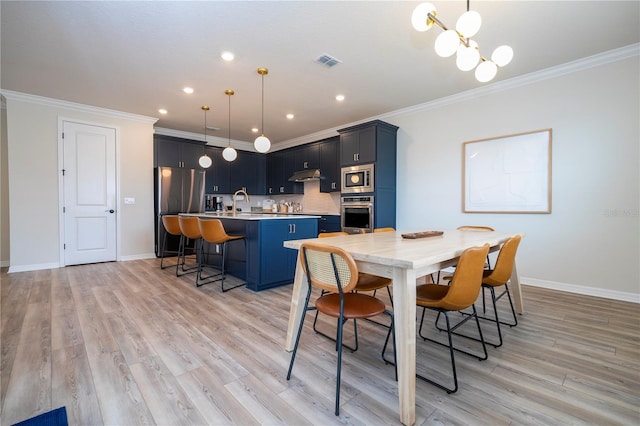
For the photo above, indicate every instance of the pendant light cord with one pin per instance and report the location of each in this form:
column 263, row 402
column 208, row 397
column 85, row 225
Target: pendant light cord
column 262, row 104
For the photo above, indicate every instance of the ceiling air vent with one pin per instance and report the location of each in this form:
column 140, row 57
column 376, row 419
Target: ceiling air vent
column 328, row 60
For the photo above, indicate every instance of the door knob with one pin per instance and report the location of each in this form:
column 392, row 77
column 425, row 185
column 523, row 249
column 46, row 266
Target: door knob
column 110, row 211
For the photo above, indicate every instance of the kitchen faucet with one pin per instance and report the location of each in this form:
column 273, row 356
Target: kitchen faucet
column 239, row 191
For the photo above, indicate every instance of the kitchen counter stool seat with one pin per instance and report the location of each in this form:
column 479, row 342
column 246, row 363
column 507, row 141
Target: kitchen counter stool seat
column 189, row 230
column 213, row 232
column 172, row 227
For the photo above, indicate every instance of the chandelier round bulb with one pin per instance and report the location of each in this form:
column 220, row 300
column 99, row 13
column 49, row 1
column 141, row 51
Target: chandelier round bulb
column 229, row 154
column 502, row 55
column 262, row 144
column 486, row 71
column 469, row 23
column 468, row 57
column 447, row 43
column 420, row 17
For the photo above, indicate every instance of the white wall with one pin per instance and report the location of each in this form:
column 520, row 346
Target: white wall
column 590, row 241
column 32, row 134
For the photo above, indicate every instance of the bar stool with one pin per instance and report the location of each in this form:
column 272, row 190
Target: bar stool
column 212, row 231
column 190, row 230
column 172, row 227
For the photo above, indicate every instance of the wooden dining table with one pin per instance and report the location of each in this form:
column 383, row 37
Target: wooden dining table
column 403, row 260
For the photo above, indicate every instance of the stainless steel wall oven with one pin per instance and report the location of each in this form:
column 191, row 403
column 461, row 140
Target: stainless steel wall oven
column 356, row 214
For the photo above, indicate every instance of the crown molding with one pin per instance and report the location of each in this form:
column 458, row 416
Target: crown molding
column 57, row 103
column 523, row 80
column 211, row 140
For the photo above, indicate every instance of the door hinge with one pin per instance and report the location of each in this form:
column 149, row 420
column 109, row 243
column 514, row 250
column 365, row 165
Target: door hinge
column 63, row 170
column 62, row 135
column 64, row 209
column 64, row 246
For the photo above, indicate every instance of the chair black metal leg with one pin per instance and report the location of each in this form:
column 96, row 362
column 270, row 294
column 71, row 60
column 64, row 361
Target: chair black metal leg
column 295, row 347
column 224, row 262
column 339, row 344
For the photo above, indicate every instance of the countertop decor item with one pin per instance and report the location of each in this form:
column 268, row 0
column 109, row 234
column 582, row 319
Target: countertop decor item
column 422, row 234
column 459, row 41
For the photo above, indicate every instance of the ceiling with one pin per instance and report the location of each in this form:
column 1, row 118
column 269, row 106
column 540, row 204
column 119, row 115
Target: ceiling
column 137, row 56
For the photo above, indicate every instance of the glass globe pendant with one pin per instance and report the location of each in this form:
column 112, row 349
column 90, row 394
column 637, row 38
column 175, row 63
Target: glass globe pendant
column 229, row 153
column 262, row 143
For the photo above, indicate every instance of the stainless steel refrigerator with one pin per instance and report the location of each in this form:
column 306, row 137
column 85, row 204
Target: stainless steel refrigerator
column 177, row 190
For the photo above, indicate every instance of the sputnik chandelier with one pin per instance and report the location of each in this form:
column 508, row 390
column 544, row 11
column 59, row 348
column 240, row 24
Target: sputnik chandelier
column 459, row 41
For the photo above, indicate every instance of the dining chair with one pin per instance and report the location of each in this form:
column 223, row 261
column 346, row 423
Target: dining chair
column 366, row 282
column 475, row 228
column 213, row 232
column 172, row 227
column 497, row 277
column 456, row 297
column 333, row 270
column 386, row 229
column 189, row 230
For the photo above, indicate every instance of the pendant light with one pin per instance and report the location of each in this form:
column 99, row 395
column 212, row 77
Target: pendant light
column 262, row 143
column 205, row 161
column 229, row 153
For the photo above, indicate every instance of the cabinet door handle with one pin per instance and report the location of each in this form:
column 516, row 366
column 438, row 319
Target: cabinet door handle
column 333, row 185
column 305, row 165
column 282, row 189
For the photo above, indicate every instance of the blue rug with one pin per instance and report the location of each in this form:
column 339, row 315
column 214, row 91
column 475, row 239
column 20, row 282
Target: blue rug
column 57, row 417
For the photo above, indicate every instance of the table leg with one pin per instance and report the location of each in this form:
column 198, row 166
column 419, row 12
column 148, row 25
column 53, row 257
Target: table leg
column 514, row 284
column 404, row 308
column 297, row 306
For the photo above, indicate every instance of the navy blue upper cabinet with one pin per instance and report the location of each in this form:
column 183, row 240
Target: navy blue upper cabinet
column 170, row 151
column 367, row 143
column 280, row 167
column 330, row 165
column 248, row 172
column 217, row 176
column 306, row 157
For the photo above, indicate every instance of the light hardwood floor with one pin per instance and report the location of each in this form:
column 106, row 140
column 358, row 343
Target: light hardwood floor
column 127, row 343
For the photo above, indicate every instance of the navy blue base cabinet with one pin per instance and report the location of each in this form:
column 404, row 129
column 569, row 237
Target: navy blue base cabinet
column 265, row 263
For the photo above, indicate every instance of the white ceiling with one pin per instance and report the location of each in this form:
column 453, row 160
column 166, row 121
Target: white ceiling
column 136, row 56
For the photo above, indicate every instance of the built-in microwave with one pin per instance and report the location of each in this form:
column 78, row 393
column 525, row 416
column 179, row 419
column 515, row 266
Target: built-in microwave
column 357, row 179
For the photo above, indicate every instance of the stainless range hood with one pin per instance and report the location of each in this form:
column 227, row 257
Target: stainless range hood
column 305, row 175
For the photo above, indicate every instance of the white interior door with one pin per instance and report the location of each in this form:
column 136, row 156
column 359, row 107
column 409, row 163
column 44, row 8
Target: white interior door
column 89, row 186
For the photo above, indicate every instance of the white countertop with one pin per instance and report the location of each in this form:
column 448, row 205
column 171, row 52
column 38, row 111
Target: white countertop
column 252, row 216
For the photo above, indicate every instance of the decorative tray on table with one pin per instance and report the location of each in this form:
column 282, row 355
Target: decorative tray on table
column 423, row 234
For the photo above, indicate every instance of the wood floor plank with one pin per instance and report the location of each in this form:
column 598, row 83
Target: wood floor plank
column 72, row 386
column 217, row 405
column 29, row 391
column 129, row 343
column 165, row 398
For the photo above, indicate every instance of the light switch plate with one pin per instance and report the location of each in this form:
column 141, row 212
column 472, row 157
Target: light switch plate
column 129, row 200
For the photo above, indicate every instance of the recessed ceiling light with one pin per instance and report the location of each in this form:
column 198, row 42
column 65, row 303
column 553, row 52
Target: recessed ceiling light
column 254, row 129
column 162, row 111
column 227, row 56
column 339, row 98
column 188, row 90
column 290, row 116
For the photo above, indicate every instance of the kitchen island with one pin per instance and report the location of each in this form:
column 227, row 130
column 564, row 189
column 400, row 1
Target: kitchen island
column 264, row 262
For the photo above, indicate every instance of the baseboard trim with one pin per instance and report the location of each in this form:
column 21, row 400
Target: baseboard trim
column 37, row 267
column 580, row 289
column 137, row 257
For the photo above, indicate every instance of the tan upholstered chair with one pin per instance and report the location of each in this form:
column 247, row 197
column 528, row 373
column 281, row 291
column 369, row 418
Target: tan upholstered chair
column 366, row 282
column 473, row 228
column 458, row 296
column 172, row 227
column 387, row 229
column 189, row 230
column 333, row 270
column 213, row 232
column 499, row 277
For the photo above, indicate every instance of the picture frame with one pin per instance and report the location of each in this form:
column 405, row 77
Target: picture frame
column 508, row 174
